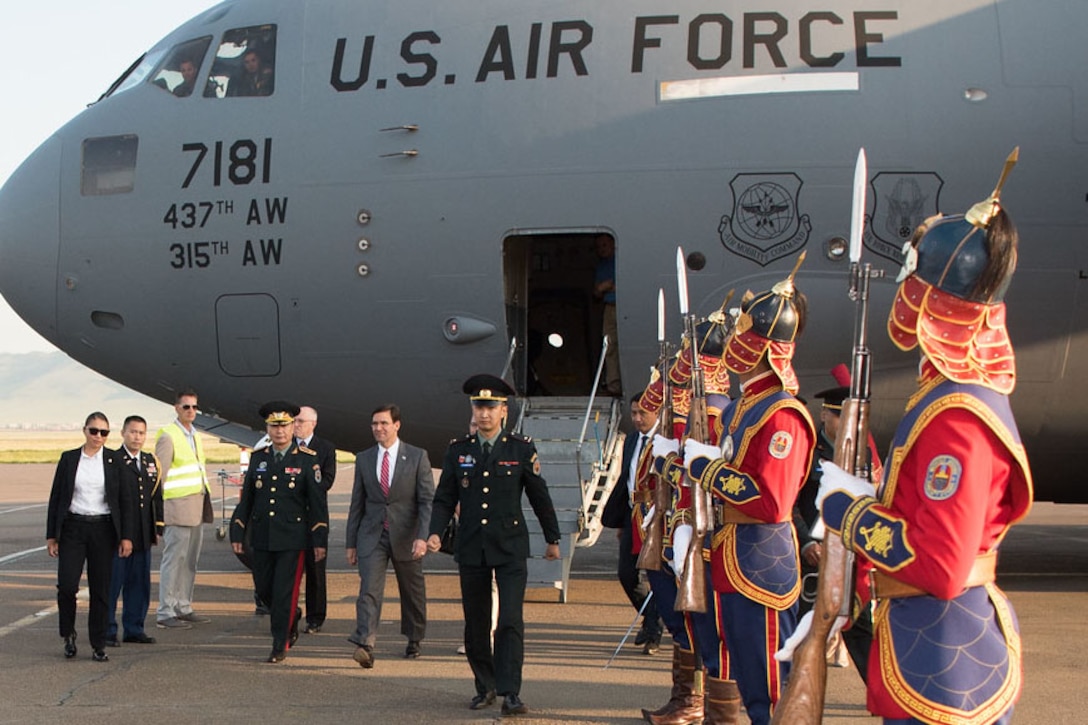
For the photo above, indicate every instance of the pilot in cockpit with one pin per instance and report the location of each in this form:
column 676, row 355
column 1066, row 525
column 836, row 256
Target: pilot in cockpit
column 188, row 78
column 256, row 79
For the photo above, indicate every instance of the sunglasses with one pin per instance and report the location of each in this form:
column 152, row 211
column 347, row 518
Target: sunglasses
column 99, row 431
column 187, row 406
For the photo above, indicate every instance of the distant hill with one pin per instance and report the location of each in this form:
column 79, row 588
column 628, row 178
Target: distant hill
column 51, row 390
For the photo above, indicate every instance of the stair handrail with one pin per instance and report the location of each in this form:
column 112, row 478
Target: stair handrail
column 589, row 411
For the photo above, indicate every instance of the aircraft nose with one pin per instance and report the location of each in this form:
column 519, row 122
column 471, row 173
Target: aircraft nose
column 30, row 238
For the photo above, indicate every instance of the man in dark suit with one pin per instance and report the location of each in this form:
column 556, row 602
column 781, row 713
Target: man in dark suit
column 132, row 575
column 283, row 508
column 388, row 519
column 316, row 598
column 89, row 516
column 617, row 515
column 486, row 473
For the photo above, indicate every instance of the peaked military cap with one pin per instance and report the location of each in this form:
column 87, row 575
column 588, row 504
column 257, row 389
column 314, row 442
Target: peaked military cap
column 278, row 412
column 484, row 389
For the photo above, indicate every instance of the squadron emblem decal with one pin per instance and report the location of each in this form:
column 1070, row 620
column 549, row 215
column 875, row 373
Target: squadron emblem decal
column 903, row 200
column 766, row 224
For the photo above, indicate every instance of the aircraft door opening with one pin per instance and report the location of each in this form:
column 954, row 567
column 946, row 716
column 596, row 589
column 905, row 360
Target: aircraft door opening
column 554, row 311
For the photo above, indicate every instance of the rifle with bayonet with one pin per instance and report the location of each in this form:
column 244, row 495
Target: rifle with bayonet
column 649, row 556
column 691, row 590
column 803, row 701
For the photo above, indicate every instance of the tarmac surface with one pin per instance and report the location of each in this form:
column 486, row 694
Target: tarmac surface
column 215, row 672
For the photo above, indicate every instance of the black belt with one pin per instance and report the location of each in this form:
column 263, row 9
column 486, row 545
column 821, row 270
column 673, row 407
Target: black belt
column 88, row 517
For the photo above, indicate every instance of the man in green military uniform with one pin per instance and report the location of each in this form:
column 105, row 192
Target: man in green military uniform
column 283, row 506
column 487, row 472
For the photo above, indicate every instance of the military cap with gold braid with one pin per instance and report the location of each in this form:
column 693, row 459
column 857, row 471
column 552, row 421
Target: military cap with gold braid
column 278, row 412
column 484, row 389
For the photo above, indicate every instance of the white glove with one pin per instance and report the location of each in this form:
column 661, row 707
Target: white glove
column 649, row 517
column 664, row 446
column 681, row 541
column 786, row 653
column 836, row 479
column 694, row 449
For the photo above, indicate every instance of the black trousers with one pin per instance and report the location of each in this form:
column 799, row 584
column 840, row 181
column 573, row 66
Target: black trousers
column 90, row 542
column 316, row 593
column 499, row 671
column 277, row 575
column 633, row 586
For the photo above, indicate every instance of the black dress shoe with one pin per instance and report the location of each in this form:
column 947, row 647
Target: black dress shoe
column 364, row 656
column 112, row 642
column 643, row 635
column 512, row 705
column 99, row 655
column 412, row 652
column 312, row 628
column 70, row 646
column 278, row 655
column 140, row 638
column 481, row 701
column 294, row 628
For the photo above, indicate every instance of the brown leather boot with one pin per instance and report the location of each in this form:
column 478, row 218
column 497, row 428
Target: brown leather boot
column 685, row 705
column 722, row 702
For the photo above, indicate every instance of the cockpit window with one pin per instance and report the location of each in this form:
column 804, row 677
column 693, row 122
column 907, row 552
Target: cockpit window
column 179, row 72
column 109, row 165
column 245, row 64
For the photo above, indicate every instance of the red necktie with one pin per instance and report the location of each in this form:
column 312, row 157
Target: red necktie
column 385, row 474
column 384, row 482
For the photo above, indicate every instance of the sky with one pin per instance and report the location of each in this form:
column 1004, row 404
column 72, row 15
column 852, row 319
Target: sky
column 56, row 56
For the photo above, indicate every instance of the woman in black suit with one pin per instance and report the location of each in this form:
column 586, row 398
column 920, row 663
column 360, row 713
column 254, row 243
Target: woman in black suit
column 89, row 513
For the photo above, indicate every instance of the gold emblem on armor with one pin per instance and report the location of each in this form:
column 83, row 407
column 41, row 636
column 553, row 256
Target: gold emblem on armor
column 878, row 538
column 734, row 485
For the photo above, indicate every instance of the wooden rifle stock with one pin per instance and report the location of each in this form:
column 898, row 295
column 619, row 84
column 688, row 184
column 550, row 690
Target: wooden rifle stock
column 803, row 701
column 691, row 591
column 653, row 543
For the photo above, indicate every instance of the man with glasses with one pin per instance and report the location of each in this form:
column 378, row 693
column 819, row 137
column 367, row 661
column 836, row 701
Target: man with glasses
column 186, row 508
column 316, row 599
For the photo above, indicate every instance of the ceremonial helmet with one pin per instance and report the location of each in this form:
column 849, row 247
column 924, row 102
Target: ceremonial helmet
column 950, row 301
column 769, row 323
column 710, row 336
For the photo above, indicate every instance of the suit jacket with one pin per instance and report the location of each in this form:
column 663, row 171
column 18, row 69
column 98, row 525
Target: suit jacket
column 617, row 510
column 326, row 459
column 491, row 527
column 118, row 497
column 411, row 495
column 145, row 487
column 282, row 506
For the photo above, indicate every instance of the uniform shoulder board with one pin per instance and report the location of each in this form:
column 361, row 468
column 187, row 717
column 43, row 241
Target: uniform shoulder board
column 463, row 439
column 263, row 449
column 521, row 437
column 309, row 451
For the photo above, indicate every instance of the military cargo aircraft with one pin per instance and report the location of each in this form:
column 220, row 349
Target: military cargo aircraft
column 354, row 201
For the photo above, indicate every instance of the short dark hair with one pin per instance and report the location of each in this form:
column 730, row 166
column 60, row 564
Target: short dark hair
column 97, row 415
column 392, row 408
column 133, row 419
column 185, row 393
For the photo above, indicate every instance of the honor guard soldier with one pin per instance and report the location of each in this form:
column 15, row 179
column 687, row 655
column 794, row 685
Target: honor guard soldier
column 486, row 473
column 947, row 645
column 766, row 442
column 283, row 507
column 695, row 637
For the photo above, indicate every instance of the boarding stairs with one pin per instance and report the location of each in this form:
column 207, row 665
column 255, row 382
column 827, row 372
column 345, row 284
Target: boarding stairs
column 580, row 448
